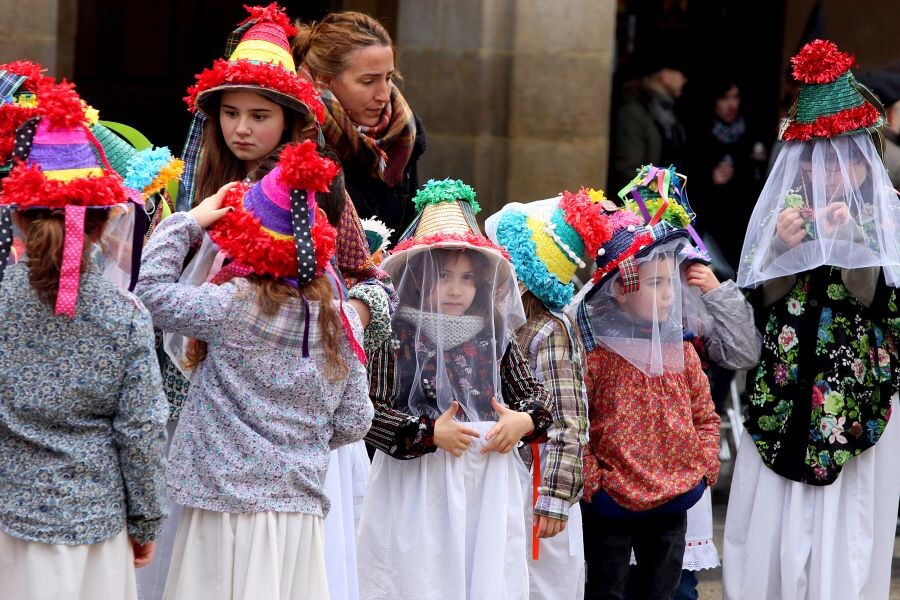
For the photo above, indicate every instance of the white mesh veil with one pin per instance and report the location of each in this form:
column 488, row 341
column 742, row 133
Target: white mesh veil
column 644, row 326
column 828, row 201
column 459, row 307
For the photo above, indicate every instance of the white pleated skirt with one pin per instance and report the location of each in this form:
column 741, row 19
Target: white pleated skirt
column 559, row 572
column 345, row 484
column 791, row 541
column 37, row 571
column 444, row 527
column 226, row 556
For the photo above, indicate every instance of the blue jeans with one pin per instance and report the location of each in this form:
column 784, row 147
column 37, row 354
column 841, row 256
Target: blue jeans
column 687, row 587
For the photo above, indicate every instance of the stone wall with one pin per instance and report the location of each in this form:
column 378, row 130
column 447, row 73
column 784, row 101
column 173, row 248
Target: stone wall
column 40, row 30
column 514, row 94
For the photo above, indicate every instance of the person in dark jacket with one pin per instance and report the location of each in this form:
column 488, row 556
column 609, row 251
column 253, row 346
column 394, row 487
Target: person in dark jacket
column 378, row 138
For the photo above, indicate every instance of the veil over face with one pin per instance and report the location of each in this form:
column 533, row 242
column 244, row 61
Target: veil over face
column 459, row 307
column 828, row 201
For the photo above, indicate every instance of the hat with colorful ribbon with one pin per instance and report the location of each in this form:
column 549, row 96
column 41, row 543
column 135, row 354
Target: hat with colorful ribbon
column 547, row 241
column 262, row 63
column 378, row 236
column 659, row 196
column 276, row 227
column 831, row 101
column 61, row 165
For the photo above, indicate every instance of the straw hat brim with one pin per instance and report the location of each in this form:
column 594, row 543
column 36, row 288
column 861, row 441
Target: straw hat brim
column 395, row 263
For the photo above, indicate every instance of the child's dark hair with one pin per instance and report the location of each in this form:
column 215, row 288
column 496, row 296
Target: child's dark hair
column 332, row 202
column 44, row 240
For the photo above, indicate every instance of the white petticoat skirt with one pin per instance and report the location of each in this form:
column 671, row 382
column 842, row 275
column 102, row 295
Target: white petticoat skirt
column 559, row 572
column 444, row 527
column 345, row 485
column 37, row 571
column 791, row 541
column 227, row 556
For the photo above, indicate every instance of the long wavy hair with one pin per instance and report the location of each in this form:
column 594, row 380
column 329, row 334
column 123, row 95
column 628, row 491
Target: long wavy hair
column 272, row 295
column 44, row 240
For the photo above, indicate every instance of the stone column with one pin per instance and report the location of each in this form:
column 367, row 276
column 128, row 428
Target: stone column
column 514, row 94
column 39, row 30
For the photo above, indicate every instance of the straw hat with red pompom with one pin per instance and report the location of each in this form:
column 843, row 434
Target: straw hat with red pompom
column 831, row 102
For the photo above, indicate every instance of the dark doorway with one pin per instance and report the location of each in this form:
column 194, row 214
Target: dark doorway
column 134, row 60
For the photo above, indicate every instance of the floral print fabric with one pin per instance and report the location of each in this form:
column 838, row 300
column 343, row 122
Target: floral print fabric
column 821, row 393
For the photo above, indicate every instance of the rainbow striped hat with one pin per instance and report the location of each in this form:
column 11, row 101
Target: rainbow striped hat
column 261, row 63
column 60, row 165
column 549, row 239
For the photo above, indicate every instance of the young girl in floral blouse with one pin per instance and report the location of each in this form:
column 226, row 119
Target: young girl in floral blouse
column 278, row 382
column 814, row 495
column 453, row 396
column 82, row 411
column 654, row 432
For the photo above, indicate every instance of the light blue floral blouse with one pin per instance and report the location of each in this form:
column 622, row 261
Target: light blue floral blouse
column 259, row 419
column 82, row 416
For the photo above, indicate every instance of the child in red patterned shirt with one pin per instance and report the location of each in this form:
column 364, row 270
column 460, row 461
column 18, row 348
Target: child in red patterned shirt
column 654, row 432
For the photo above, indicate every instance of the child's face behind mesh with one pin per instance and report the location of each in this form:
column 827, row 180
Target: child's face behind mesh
column 456, row 285
column 654, row 299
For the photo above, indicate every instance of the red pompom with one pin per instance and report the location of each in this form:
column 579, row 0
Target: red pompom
column 11, row 118
column 303, row 168
column 61, row 105
column 820, row 61
column 28, row 186
column 588, row 219
column 265, row 75
column 33, row 71
column 272, row 13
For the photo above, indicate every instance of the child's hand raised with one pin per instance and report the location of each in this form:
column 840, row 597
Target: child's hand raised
column 701, row 276
column 790, row 226
column 512, row 425
column 210, row 210
column 452, row 436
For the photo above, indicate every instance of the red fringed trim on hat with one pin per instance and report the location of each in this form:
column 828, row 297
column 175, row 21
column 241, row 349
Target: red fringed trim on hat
column 588, row 220
column 641, row 240
column 240, row 235
column 61, row 105
column 820, row 61
column 33, row 71
column 28, row 187
column 11, row 118
column 324, row 238
column 851, row 119
column 467, row 239
column 266, row 75
column 303, row 168
column 272, row 13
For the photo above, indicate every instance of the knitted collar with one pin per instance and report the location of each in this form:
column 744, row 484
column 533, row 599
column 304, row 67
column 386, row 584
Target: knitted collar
column 451, row 330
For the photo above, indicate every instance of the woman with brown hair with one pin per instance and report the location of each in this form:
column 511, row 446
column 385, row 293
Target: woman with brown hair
column 379, row 139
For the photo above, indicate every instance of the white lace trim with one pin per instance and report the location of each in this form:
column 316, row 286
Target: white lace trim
column 698, row 555
column 450, row 330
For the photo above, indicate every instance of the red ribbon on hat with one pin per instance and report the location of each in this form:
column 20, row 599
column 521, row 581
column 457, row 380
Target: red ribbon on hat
column 70, row 272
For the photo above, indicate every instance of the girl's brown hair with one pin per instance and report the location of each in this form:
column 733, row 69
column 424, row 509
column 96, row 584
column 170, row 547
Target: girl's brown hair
column 534, row 308
column 271, row 296
column 44, row 238
column 324, row 47
column 218, row 164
